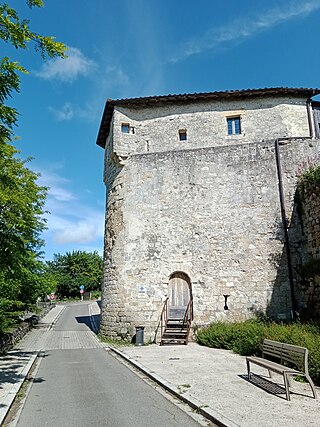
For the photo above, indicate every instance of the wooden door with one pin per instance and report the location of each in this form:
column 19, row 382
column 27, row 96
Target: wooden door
column 179, row 295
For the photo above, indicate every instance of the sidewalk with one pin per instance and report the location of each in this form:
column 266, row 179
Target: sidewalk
column 210, row 380
column 16, row 364
column 215, row 382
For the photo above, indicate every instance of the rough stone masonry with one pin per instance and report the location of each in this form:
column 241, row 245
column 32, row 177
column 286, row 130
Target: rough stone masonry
column 194, row 187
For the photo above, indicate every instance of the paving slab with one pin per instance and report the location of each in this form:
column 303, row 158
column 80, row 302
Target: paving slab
column 216, row 380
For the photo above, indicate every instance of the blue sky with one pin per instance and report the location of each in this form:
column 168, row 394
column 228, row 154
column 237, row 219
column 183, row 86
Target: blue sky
column 133, row 48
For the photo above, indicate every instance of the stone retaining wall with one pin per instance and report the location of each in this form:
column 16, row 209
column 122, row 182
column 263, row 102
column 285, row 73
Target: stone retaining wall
column 10, row 339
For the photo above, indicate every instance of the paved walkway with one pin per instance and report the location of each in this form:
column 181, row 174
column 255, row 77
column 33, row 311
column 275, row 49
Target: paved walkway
column 214, row 381
column 15, row 365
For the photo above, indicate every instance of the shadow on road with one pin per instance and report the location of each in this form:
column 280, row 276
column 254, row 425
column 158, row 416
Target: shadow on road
column 12, row 365
column 91, row 321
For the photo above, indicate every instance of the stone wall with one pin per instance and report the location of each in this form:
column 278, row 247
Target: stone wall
column 311, row 209
column 157, row 129
column 8, row 340
column 310, row 280
column 212, row 213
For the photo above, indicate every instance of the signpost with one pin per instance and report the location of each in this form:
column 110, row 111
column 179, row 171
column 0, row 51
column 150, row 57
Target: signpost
column 81, row 291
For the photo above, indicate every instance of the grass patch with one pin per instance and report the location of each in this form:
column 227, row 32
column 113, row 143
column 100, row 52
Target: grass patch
column 113, row 342
column 183, row 388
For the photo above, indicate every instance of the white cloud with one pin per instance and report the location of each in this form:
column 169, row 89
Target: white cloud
column 67, row 69
column 74, row 223
column 116, row 75
column 244, row 28
column 70, row 111
column 79, row 232
column 69, row 220
column 67, row 112
column 55, row 184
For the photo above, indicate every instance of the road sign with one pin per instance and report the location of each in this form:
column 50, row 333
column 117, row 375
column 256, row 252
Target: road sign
column 52, row 297
column 81, row 291
column 81, row 286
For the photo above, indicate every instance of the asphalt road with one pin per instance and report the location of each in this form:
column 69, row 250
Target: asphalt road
column 79, row 383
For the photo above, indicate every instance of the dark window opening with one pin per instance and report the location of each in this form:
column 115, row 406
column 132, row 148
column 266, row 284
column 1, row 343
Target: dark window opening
column 125, row 128
column 182, row 135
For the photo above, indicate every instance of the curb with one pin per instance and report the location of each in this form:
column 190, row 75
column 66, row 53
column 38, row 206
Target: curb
column 11, row 395
column 54, row 320
column 209, row 413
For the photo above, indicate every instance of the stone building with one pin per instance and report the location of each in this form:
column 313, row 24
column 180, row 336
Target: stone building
column 200, row 205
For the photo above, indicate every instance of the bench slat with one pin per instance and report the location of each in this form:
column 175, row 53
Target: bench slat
column 273, row 366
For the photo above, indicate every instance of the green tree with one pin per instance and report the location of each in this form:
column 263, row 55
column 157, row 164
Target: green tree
column 16, row 31
column 21, row 223
column 74, row 269
column 22, row 276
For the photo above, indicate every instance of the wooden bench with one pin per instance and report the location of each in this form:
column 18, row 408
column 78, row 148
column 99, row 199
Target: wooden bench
column 281, row 354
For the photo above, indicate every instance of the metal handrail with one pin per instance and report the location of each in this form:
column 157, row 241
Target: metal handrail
column 164, row 318
column 188, row 317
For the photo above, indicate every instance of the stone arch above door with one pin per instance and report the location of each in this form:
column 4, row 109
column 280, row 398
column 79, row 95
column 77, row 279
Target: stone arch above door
column 179, row 294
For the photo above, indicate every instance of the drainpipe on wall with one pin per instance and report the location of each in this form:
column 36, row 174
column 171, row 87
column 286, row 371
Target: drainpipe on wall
column 312, row 129
column 285, row 228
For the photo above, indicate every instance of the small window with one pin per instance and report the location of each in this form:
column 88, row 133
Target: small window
column 125, row 128
column 182, row 135
column 234, row 125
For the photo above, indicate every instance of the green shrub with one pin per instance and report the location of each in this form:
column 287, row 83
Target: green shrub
column 96, row 294
column 218, row 335
column 249, row 338
column 246, row 338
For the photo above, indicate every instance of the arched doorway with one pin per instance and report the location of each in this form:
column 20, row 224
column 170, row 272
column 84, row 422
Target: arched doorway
column 179, row 295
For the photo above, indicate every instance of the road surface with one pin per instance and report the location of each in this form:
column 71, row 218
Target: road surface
column 79, row 383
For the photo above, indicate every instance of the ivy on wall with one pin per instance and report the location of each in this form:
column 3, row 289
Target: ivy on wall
column 309, row 183
column 308, row 203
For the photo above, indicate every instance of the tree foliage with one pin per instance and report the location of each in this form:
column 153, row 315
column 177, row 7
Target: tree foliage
column 75, row 269
column 22, row 274
column 21, row 223
column 17, row 32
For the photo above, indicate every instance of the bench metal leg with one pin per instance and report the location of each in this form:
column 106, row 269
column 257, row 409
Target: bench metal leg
column 311, row 385
column 286, row 384
column 248, row 369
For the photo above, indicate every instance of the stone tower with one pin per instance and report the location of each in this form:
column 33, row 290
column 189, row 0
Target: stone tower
column 200, row 205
